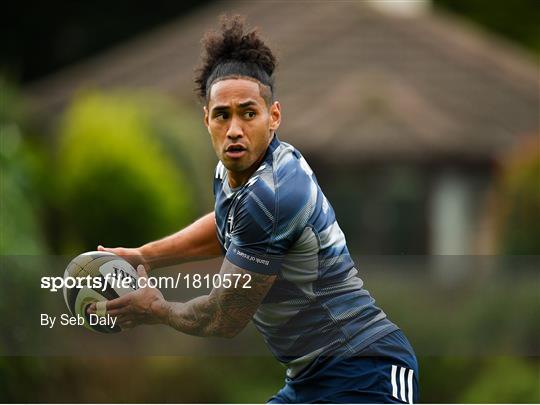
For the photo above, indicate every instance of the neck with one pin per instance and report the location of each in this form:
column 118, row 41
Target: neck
column 237, row 179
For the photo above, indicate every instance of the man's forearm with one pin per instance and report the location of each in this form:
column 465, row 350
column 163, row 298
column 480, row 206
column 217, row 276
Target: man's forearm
column 199, row 317
column 195, row 242
column 222, row 313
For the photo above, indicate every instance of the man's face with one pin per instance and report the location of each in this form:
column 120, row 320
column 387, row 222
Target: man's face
column 240, row 125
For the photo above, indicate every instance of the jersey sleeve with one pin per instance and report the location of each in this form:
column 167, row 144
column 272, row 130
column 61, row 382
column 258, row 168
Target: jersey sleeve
column 267, row 221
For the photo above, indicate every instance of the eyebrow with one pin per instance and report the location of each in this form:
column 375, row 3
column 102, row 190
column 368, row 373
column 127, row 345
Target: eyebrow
column 245, row 104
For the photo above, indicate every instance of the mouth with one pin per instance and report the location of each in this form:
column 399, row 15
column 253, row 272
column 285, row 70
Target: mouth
column 235, row 151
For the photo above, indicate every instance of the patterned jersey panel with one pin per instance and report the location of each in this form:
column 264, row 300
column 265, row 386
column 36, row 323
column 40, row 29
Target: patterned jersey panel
column 280, row 223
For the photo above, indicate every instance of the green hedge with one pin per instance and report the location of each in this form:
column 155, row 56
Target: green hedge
column 116, row 182
column 20, row 231
column 518, row 197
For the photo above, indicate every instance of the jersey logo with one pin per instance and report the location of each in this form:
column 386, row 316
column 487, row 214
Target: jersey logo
column 402, row 384
column 220, row 171
column 228, row 229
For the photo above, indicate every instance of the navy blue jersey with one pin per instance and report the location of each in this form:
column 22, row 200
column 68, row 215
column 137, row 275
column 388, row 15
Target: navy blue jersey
column 280, row 223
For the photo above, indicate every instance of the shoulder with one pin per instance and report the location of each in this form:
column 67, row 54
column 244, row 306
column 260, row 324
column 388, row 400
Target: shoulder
column 285, row 179
column 282, row 191
column 296, row 187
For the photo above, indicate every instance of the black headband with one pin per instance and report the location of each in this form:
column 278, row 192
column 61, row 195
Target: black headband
column 238, row 68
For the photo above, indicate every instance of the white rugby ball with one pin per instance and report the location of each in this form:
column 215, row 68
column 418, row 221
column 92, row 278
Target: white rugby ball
column 111, row 277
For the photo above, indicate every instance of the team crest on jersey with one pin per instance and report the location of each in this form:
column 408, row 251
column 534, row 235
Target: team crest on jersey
column 228, row 229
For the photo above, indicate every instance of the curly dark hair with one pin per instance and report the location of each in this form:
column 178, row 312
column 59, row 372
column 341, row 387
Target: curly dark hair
column 234, row 53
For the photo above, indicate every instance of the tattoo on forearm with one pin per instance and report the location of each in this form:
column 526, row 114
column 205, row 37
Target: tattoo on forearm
column 225, row 311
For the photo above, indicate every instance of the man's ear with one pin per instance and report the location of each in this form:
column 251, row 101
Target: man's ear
column 275, row 115
column 206, row 122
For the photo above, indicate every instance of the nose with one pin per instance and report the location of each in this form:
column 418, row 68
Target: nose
column 235, row 129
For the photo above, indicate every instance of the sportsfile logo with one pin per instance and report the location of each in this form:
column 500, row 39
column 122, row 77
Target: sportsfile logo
column 118, row 278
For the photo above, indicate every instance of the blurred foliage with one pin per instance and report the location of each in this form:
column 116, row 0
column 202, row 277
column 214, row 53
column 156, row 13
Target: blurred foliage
column 467, row 335
column 20, row 207
column 517, row 19
column 20, row 231
column 117, row 179
column 518, row 381
column 140, row 380
column 518, row 200
column 204, row 379
column 128, row 168
column 460, row 379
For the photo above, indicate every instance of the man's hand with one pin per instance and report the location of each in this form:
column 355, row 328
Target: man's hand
column 133, row 256
column 144, row 306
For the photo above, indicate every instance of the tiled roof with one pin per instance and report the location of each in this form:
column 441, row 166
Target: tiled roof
column 354, row 83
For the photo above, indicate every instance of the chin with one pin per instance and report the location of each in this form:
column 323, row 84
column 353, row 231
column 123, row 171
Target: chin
column 234, row 166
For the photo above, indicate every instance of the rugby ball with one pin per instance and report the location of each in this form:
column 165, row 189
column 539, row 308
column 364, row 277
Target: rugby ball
column 93, row 277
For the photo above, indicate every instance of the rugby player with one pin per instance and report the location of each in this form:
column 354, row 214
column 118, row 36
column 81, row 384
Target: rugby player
column 274, row 225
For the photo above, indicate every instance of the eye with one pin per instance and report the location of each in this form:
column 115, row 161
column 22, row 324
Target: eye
column 249, row 114
column 220, row 116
